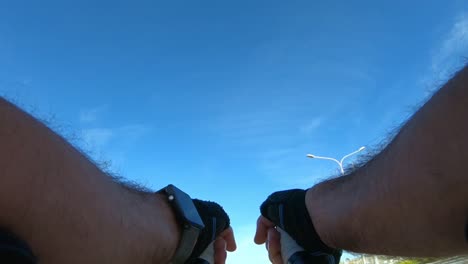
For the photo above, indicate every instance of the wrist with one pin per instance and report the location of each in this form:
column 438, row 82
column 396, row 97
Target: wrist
column 158, row 231
column 323, row 214
column 169, row 231
column 333, row 206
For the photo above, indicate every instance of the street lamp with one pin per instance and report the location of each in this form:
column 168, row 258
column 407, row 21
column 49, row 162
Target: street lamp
column 340, row 163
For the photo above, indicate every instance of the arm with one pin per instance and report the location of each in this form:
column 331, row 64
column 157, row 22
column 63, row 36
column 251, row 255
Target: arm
column 67, row 209
column 412, row 198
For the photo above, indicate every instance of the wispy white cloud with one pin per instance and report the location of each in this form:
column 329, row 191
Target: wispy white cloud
column 452, row 52
column 277, row 140
column 256, row 128
column 290, row 168
column 312, row 125
column 108, row 145
column 97, row 137
column 91, row 114
column 279, row 126
column 133, row 131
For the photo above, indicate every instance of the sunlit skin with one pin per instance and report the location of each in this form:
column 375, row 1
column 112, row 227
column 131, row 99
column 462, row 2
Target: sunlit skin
column 225, row 242
column 267, row 234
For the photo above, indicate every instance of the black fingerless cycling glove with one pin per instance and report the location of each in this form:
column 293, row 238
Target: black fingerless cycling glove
column 216, row 221
column 14, row 250
column 287, row 210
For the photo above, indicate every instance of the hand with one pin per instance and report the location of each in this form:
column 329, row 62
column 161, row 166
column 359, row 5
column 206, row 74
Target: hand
column 266, row 233
column 224, row 242
column 216, row 252
column 217, row 237
column 287, row 210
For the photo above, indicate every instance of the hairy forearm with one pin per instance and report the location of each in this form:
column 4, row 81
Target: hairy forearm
column 411, row 199
column 67, row 209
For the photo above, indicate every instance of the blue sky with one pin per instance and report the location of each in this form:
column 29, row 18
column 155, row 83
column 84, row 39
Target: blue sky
column 224, row 99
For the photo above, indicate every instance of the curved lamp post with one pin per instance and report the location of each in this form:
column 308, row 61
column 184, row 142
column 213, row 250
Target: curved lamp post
column 340, row 162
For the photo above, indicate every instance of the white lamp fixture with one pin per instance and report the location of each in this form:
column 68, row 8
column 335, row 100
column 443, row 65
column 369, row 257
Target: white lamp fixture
column 340, row 163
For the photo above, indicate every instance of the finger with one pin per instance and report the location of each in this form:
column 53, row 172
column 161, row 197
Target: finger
column 274, row 246
column 228, row 236
column 220, row 251
column 261, row 233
